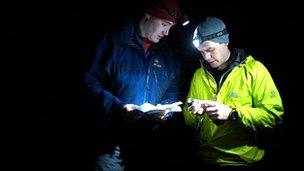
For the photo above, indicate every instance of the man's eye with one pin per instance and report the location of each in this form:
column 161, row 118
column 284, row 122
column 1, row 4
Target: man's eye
column 164, row 24
column 210, row 50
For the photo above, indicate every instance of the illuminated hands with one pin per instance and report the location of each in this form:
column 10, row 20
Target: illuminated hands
column 161, row 110
column 130, row 107
column 196, row 106
column 157, row 114
column 131, row 114
column 215, row 110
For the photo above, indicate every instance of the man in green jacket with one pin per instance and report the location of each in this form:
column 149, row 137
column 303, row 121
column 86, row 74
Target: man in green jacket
column 232, row 98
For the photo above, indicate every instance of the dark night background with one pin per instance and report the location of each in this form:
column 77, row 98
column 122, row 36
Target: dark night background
column 46, row 48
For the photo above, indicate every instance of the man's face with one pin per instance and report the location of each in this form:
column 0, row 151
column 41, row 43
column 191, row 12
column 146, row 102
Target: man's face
column 215, row 54
column 157, row 28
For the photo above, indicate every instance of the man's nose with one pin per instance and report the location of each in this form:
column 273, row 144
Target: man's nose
column 166, row 32
column 205, row 55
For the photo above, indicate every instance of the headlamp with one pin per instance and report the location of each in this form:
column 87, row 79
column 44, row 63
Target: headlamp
column 184, row 20
column 176, row 14
column 198, row 39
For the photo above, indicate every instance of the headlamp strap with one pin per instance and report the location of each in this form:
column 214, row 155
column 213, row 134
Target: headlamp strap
column 215, row 35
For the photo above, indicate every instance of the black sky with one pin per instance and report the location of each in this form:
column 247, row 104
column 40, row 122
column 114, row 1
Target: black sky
column 46, row 48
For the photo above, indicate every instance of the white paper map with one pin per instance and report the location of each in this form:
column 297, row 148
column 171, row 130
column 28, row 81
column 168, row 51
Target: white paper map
column 147, row 107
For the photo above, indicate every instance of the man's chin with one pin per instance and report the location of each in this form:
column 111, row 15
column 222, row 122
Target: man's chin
column 213, row 66
column 156, row 41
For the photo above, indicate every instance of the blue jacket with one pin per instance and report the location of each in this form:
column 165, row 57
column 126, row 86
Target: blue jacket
column 122, row 72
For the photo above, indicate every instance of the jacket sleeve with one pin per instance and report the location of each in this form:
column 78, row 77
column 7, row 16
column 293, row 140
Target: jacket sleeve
column 267, row 108
column 190, row 118
column 98, row 78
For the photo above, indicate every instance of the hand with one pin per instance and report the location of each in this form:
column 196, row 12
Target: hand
column 216, row 110
column 131, row 114
column 130, row 107
column 196, row 106
column 156, row 117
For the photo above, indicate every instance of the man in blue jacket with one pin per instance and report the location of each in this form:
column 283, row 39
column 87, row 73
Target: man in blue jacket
column 133, row 66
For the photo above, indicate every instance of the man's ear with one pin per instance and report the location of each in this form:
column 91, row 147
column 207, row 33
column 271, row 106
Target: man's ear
column 147, row 17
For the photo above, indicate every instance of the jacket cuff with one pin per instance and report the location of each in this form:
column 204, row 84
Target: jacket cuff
column 233, row 115
column 120, row 104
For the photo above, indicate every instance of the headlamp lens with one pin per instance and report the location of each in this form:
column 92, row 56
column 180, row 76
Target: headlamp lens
column 197, row 41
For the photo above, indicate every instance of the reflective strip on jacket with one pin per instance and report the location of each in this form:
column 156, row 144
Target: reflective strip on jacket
column 249, row 89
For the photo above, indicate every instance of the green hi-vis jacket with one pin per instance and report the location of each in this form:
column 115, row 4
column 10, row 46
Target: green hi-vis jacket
column 249, row 89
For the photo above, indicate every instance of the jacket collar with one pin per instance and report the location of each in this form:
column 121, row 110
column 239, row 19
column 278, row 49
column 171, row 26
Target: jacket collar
column 237, row 57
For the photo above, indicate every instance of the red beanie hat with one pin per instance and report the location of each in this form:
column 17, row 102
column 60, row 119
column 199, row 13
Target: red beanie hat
column 166, row 9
